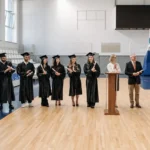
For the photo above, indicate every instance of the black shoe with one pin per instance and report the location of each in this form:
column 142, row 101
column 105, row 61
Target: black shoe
column 138, row 106
column 132, row 106
column 77, row 105
column 88, row 105
column 92, row 106
column 45, row 105
column 11, row 106
column 73, row 104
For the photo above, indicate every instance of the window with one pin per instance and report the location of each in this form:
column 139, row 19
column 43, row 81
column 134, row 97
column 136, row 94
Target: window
column 10, row 21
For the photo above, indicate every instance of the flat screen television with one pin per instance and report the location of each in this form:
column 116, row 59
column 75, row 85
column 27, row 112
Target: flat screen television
column 132, row 17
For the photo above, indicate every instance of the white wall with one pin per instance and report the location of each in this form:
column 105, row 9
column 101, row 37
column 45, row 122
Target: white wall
column 2, row 20
column 133, row 2
column 50, row 27
column 3, row 43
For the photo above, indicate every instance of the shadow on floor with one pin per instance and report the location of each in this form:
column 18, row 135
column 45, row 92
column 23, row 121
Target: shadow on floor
column 17, row 103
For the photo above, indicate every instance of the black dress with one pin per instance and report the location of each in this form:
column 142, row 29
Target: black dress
column 26, row 82
column 91, row 83
column 44, row 83
column 57, row 82
column 75, row 81
column 6, row 86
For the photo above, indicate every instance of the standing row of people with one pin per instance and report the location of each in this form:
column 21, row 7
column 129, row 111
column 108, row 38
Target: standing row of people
column 57, row 72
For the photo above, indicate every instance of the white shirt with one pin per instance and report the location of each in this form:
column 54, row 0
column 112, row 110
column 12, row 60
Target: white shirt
column 2, row 62
column 26, row 62
column 110, row 67
column 133, row 63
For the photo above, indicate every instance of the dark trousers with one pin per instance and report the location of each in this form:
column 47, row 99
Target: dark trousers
column 27, row 97
column 44, row 101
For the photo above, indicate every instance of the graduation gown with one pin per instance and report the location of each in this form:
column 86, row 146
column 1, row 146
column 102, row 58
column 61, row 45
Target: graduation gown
column 75, row 81
column 91, row 82
column 6, row 85
column 44, row 81
column 26, row 83
column 57, row 82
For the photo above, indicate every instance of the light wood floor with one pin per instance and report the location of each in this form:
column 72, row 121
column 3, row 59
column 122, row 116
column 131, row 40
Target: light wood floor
column 68, row 128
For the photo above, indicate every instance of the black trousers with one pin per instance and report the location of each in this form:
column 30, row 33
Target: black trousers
column 44, row 101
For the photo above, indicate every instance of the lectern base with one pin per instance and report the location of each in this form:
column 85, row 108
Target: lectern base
column 106, row 112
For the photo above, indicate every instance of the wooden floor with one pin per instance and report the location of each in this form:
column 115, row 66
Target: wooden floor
column 68, row 128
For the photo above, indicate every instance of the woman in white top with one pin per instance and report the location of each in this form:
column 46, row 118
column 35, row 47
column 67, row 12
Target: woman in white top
column 113, row 66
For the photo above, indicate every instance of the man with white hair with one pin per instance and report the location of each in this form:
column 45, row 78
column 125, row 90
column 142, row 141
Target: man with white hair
column 133, row 70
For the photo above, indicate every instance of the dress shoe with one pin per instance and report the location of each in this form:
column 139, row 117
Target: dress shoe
column 92, row 106
column 47, row 105
column 132, row 106
column 77, row 105
column 138, row 106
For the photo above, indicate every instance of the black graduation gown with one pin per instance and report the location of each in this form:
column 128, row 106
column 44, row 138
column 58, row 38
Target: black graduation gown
column 44, row 81
column 91, row 82
column 26, row 83
column 57, row 82
column 75, row 81
column 6, row 85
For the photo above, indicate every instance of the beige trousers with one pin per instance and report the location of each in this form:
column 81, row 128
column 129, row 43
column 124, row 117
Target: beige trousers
column 132, row 88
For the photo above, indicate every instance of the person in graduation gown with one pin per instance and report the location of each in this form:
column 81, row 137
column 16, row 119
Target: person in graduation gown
column 134, row 70
column 92, row 72
column 43, row 73
column 6, row 85
column 74, row 71
column 113, row 66
column 26, row 71
column 58, row 74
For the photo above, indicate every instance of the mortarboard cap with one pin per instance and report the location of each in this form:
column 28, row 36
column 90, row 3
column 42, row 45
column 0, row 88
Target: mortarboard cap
column 2, row 54
column 72, row 56
column 25, row 54
column 90, row 54
column 44, row 56
column 56, row 56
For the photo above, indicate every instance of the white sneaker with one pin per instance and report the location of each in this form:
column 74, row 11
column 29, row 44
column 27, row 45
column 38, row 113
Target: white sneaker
column 24, row 105
column 30, row 105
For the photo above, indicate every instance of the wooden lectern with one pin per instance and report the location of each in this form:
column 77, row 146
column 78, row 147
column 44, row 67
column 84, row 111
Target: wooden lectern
column 112, row 93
